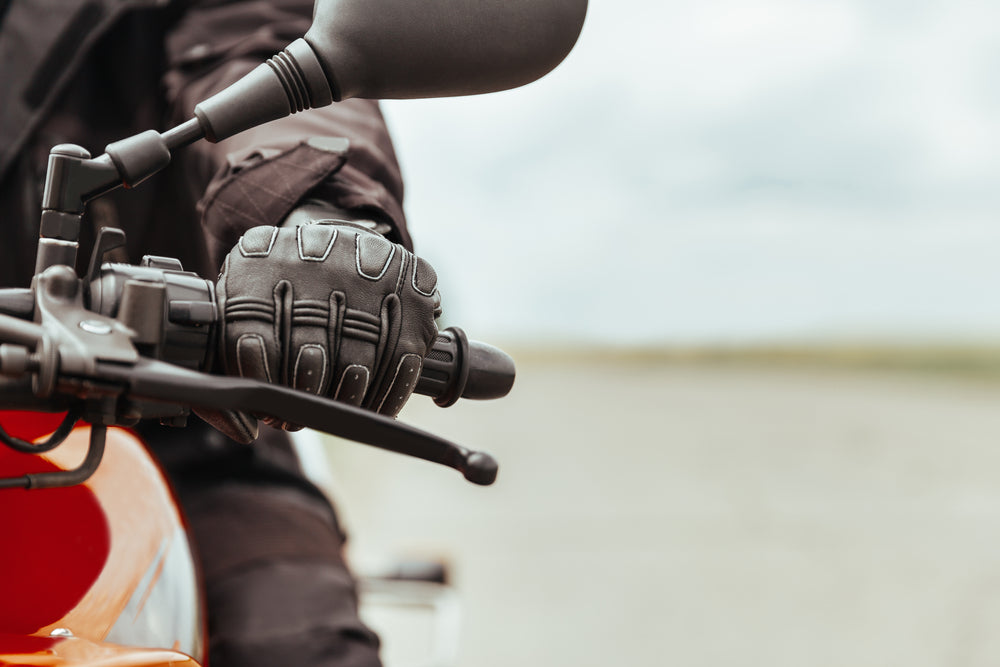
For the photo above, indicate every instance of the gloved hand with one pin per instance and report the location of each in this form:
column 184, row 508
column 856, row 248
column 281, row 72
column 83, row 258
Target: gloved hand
column 331, row 308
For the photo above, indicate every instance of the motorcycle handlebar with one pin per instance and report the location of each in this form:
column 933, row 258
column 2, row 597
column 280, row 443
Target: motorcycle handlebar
column 455, row 367
column 128, row 343
column 73, row 359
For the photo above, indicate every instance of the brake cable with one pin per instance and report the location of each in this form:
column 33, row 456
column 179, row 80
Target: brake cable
column 56, row 439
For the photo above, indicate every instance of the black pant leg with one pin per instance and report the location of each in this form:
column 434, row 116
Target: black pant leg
column 270, row 550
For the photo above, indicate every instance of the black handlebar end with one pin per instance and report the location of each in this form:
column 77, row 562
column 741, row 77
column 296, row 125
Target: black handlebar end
column 480, row 468
column 457, row 367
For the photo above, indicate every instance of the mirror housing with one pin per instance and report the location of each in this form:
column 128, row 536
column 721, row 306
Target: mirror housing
column 399, row 49
column 402, row 49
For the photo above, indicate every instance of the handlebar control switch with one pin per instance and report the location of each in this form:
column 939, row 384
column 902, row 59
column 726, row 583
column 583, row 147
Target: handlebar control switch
column 163, row 263
column 16, row 360
column 182, row 328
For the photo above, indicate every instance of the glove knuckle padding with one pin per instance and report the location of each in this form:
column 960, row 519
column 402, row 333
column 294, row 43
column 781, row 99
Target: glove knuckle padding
column 330, row 309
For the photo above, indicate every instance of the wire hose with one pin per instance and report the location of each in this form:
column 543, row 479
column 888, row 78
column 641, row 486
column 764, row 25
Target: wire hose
column 56, row 439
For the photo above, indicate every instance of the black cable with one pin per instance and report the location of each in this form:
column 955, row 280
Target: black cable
column 63, row 478
column 54, row 440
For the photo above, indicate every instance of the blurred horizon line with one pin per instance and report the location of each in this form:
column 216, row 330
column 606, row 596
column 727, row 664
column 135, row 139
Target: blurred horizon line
column 948, row 358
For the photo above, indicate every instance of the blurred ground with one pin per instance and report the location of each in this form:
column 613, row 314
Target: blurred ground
column 706, row 512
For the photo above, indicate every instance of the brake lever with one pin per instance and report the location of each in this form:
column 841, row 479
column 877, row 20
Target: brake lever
column 152, row 380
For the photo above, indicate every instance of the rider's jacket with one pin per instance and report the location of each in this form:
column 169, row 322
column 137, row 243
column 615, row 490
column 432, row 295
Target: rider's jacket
column 94, row 71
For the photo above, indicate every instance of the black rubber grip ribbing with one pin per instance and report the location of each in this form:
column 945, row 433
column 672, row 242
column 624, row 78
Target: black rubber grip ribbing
column 459, row 368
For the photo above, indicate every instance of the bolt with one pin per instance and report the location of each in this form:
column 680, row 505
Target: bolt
column 96, row 327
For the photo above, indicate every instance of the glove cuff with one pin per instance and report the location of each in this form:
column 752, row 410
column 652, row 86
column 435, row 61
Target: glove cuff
column 315, row 211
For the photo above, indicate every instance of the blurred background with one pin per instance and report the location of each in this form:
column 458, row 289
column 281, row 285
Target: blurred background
column 744, row 254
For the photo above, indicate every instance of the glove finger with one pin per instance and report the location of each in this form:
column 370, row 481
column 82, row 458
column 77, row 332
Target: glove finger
column 358, row 267
column 355, row 360
column 403, row 383
column 313, row 334
column 353, row 384
column 239, row 426
column 252, row 362
column 316, row 313
column 251, row 318
column 388, row 358
column 424, row 283
column 252, row 357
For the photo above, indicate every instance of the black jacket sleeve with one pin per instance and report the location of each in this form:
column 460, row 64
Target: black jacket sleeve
column 258, row 176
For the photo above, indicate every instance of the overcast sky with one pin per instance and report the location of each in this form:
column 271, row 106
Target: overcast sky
column 725, row 171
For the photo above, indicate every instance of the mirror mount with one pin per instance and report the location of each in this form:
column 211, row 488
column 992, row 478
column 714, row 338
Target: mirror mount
column 74, row 178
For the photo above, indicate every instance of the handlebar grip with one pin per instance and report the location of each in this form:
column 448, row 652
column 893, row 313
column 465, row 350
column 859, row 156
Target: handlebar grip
column 459, row 368
column 455, row 367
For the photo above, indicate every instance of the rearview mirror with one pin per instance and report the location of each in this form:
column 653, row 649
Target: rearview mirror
column 397, row 49
column 434, row 48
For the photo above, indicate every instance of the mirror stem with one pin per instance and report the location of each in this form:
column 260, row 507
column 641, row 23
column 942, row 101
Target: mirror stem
column 291, row 81
column 184, row 134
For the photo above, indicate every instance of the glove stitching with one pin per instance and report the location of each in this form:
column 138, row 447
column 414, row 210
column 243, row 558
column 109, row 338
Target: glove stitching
column 241, row 185
column 330, row 221
column 258, row 253
column 313, row 258
column 409, row 383
column 357, row 259
column 401, row 278
column 322, row 377
column 238, row 211
column 414, row 283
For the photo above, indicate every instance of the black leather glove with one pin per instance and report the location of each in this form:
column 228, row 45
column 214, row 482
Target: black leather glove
column 332, row 308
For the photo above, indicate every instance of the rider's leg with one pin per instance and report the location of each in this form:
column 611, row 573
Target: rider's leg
column 277, row 588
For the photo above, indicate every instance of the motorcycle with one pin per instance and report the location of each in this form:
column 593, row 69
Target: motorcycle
column 95, row 567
